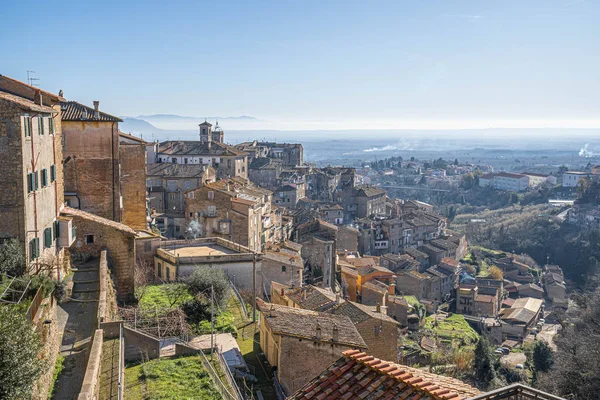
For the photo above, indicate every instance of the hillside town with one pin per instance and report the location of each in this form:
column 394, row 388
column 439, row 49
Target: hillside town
column 125, row 262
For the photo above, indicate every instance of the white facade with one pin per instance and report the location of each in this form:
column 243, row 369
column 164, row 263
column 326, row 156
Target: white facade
column 505, row 181
column 572, row 178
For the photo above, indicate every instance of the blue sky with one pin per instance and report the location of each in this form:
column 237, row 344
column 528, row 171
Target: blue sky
column 401, row 64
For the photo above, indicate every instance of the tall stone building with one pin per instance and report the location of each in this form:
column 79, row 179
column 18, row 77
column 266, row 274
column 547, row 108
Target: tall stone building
column 105, row 170
column 32, row 194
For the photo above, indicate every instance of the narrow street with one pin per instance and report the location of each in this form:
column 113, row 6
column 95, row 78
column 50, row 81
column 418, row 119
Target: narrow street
column 78, row 320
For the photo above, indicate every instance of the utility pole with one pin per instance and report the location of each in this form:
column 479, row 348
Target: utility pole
column 254, row 288
column 212, row 321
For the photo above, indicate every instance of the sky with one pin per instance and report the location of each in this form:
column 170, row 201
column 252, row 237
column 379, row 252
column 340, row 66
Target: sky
column 320, row 64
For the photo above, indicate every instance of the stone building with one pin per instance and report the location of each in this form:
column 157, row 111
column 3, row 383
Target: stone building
column 288, row 335
column 234, row 209
column 32, row 195
column 282, row 263
column 91, row 160
column 177, row 259
column 308, row 297
column 265, row 172
column 288, row 195
column 379, row 331
column 209, row 150
column 318, row 240
column 290, row 154
column 95, row 234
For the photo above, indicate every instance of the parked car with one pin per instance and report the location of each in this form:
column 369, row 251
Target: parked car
column 499, row 352
column 505, row 349
column 520, row 366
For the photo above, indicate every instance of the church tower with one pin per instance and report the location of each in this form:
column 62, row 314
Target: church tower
column 218, row 134
column 205, row 132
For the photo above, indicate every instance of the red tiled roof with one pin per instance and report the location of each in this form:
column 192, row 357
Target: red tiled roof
column 68, row 211
column 357, row 376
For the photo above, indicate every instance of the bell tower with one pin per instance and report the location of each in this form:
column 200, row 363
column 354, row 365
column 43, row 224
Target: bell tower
column 205, row 132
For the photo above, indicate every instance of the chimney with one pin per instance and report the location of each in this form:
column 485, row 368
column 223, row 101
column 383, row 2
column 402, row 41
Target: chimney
column 336, row 333
column 96, row 112
column 84, row 114
column 318, row 333
column 377, row 308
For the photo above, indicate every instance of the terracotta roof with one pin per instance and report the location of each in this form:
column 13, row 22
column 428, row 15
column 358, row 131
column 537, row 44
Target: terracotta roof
column 359, row 376
column 360, row 312
column 74, row 111
column 411, row 251
column 25, row 103
column 68, row 211
column 370, row 191
column 297, row 322
column 484, row 298
column 522, row 311
column 312, row 297
column 510, row 175
column 195, row 147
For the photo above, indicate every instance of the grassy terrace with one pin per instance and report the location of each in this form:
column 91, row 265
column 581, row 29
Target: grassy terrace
column 453, row 328
column 167, row 295
column 170, row 378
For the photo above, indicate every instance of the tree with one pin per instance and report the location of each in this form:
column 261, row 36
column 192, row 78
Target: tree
column 543, row 356
column 576, row 370
column 495, row 273
column 203, row 279
column 456, row 161
column 514, row 198
column 20, row 366
column 12, row 258
column 485, row 371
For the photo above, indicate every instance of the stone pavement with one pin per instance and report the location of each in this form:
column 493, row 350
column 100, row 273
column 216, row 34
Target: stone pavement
column 78, row 321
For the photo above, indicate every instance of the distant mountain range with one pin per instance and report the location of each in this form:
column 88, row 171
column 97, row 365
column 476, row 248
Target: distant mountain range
column 186, row 118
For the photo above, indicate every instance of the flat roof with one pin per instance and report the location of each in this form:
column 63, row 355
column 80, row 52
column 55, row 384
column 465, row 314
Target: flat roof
column 203, row 250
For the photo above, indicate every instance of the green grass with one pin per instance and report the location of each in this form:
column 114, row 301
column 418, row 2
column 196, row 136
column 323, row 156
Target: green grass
column 224, row 323
column 411, row 300
column 58, row 367
column 453, row 328
column 162, row 296
column 170, row 378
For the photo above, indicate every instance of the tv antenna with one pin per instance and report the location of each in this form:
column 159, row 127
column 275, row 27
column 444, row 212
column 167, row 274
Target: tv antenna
column 31, row 80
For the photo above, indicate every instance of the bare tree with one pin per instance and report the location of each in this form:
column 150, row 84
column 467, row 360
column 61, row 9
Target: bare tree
column 143, row 275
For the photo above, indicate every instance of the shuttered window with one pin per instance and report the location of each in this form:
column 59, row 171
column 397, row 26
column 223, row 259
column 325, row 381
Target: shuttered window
column 52, row 173
column 44, row 177
column 56, row 229
column 27, row 126
column 48, row 238
column 51, row 125
column 30, row 183
column 34, row 248
column 41, row 125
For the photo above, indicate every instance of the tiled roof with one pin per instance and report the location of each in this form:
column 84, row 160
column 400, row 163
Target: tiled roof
column 195, row 147
column 297, row 322
column 131, row 137
column 68, row 211
column 360, row 312
column 370, row 191
column 312, row 297
column 359, row 376
column 444, row 244
column 522, row 311
column 484, row 298
column 168, row 170
column 25, row 103
column 74, row 111
column 411, row 251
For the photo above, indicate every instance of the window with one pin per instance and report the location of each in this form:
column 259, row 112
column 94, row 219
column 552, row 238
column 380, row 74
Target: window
column 56, row 229
column 44, row 177
column 89, row 239
column 174, row 160
column 52, row 173
column 283, row 268
column 185, row 160
column 229, row 163
column 191, row 215
column 243, row 168
column 34, row 248
column 159, row 270
column 167, row 273
column 188, row 184
column 30, row 183
column 48, row 238
column 27, row 126
column 51, row 125
column 41, row 125
column 211, row 195
column 212, row 211
column 191, row 195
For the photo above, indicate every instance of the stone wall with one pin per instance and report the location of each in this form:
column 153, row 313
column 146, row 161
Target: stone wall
column 133, row 184
column 91, row 379
column 139, row 346
column 51, row 337
column 120, row 248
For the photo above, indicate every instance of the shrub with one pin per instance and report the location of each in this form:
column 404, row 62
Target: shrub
column 204, row 280
column 12, row 258
column 20, row 366
column 60, row 291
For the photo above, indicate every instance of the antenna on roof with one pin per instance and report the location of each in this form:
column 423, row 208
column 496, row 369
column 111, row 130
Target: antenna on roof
column 30, row 79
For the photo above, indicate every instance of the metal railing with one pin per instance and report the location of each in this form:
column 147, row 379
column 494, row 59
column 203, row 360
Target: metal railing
column 121, row 387
column 230, row 379
column 516, row 391
column 221, row 387
column 240, row 299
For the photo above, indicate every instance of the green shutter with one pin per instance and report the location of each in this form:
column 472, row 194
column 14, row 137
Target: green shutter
column 36, row 180
column 27, row 126
column 51, row 125
column 41, row 125
column 48, row 238
column 29, row 183
column 56, row 229
column 44, row 177
column 52, row 173
column 34, row 248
